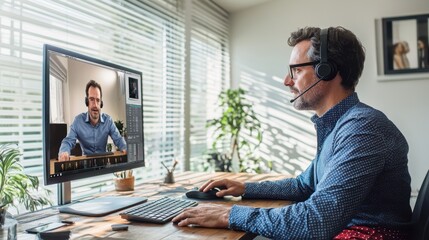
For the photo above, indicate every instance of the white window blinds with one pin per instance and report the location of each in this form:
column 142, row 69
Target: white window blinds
column 210, row 74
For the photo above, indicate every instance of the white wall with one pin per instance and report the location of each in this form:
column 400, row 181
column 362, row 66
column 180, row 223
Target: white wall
column 260, row 56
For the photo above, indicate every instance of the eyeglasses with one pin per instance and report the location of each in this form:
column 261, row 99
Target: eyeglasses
column 292, row 67
column 96, row 100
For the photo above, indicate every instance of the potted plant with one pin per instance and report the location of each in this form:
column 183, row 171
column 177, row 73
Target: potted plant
column 120, row 126
column 17, row 187
column 237, row 119
column 122, row 130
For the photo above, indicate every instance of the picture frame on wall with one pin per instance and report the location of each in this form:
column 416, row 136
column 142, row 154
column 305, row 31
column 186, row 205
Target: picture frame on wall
column 406, row 44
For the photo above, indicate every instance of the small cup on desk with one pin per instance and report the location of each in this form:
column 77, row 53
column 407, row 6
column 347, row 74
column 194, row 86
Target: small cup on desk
column 124, row 184
column 169, row 178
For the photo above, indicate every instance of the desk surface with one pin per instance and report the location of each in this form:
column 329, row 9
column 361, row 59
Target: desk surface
column 100, row 227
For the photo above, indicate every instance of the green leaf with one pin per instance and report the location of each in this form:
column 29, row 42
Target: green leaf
column 15, row 185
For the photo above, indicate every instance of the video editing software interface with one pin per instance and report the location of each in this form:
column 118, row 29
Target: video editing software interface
column 65, row 76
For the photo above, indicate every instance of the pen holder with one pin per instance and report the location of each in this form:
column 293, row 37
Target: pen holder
column 124, row 184
column 169, row 178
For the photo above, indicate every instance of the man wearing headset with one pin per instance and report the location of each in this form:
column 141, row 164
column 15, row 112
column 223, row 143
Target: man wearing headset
column 91, row 128
column 357, row 186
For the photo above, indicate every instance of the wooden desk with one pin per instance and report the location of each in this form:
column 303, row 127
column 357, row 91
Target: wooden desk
column 100, row 227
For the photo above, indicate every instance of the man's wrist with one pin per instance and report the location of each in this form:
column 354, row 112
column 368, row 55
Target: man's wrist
column 244, row 191
column 225, row 217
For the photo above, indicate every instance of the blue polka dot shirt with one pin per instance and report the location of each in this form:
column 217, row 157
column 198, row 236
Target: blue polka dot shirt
column 358, row 177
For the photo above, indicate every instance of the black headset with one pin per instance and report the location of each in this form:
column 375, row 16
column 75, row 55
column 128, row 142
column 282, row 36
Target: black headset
column 325, row 70
column 87, row 102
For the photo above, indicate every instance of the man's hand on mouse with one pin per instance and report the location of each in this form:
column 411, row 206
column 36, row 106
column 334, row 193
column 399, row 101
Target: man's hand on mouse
column 228, row 187
column 211, row 215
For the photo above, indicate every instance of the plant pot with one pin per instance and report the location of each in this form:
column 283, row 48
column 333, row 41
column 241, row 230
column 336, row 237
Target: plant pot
column 169, row 178
column 8, row 225
column 124, row 184
column 3, row 214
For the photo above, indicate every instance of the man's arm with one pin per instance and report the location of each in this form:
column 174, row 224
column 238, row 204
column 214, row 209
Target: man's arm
column 294, row 189
column 68, row 143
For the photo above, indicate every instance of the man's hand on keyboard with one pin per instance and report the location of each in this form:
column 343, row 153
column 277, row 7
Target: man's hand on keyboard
column 210, row 215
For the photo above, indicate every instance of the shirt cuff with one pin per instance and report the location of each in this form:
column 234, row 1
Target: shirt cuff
column 238, row 216
column 249, row 190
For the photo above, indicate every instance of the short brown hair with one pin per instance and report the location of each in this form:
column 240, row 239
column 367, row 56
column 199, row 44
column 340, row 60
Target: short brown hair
column 93, row 83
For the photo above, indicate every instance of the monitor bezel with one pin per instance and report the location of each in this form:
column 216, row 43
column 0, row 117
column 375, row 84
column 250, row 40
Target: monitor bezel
column 46, row 119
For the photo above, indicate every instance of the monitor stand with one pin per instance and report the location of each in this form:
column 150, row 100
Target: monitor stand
column 95, row 207
column 64, row 193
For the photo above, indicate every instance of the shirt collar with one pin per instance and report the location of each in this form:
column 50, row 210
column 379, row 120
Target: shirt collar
column 101, row 117
column 330, row 118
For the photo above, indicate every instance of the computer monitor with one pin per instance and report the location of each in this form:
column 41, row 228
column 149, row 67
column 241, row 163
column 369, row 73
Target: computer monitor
column 65, row 77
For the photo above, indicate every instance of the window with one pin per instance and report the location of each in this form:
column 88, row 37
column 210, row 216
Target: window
column 210, row 74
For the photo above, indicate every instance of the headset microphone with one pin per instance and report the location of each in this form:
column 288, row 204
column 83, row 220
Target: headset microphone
column 314, row 84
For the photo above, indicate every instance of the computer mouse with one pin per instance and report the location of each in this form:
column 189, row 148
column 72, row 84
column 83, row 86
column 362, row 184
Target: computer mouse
column 209, row 195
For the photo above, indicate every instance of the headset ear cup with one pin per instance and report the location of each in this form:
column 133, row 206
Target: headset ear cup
column 326, row 71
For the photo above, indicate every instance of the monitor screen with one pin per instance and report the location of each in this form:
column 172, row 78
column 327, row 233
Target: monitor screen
column 92, row 116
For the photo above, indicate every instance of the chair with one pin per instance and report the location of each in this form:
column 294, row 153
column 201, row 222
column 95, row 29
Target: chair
column 420, row 218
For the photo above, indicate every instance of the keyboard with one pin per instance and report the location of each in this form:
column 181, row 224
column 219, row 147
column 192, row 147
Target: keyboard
column 157, row 211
